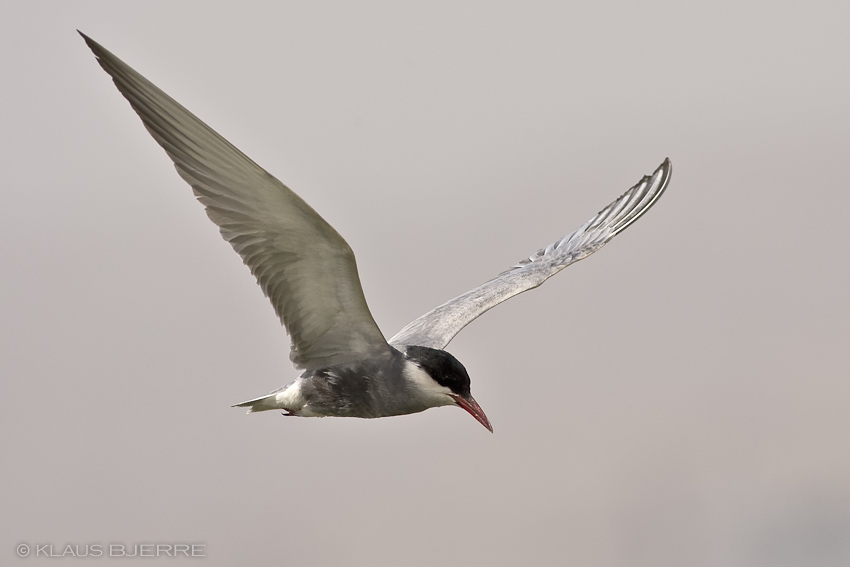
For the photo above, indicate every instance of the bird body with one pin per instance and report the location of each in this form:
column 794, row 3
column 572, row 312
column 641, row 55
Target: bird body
column 308, row 272
column 395, row 382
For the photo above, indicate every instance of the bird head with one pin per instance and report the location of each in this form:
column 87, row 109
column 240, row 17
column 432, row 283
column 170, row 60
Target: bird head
column 443, row 380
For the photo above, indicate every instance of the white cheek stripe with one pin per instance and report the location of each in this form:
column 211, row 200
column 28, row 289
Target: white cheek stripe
column 437, row 394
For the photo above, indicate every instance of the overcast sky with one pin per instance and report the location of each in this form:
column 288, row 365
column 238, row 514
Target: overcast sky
column 679, row 398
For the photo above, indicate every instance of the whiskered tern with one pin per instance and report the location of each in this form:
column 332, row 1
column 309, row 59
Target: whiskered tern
column 308, row 272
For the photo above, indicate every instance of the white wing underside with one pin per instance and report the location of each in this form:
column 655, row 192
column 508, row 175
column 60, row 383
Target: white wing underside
column 438, row 327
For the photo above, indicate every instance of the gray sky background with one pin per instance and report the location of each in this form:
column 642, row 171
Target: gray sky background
column 680, row 398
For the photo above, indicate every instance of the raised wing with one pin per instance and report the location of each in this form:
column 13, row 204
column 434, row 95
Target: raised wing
column 302, row 264
column 438, row 327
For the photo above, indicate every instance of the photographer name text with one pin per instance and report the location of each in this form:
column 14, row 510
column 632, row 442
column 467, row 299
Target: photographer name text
column 111, row 550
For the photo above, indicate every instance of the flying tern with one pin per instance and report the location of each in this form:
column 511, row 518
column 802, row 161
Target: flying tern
column 308, row 272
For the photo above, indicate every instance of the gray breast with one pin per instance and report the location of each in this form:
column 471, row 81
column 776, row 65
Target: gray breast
column 371, row 387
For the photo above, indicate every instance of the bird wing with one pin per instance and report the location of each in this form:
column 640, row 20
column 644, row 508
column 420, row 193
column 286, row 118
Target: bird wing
column 305, row 268
column 438, row 327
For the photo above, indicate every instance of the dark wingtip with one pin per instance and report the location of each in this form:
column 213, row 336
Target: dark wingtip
column 92, row 44
column 667, row 167
column 98, row 50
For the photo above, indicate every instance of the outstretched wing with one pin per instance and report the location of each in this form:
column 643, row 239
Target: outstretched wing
column 438, row 327
column 302, row 264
